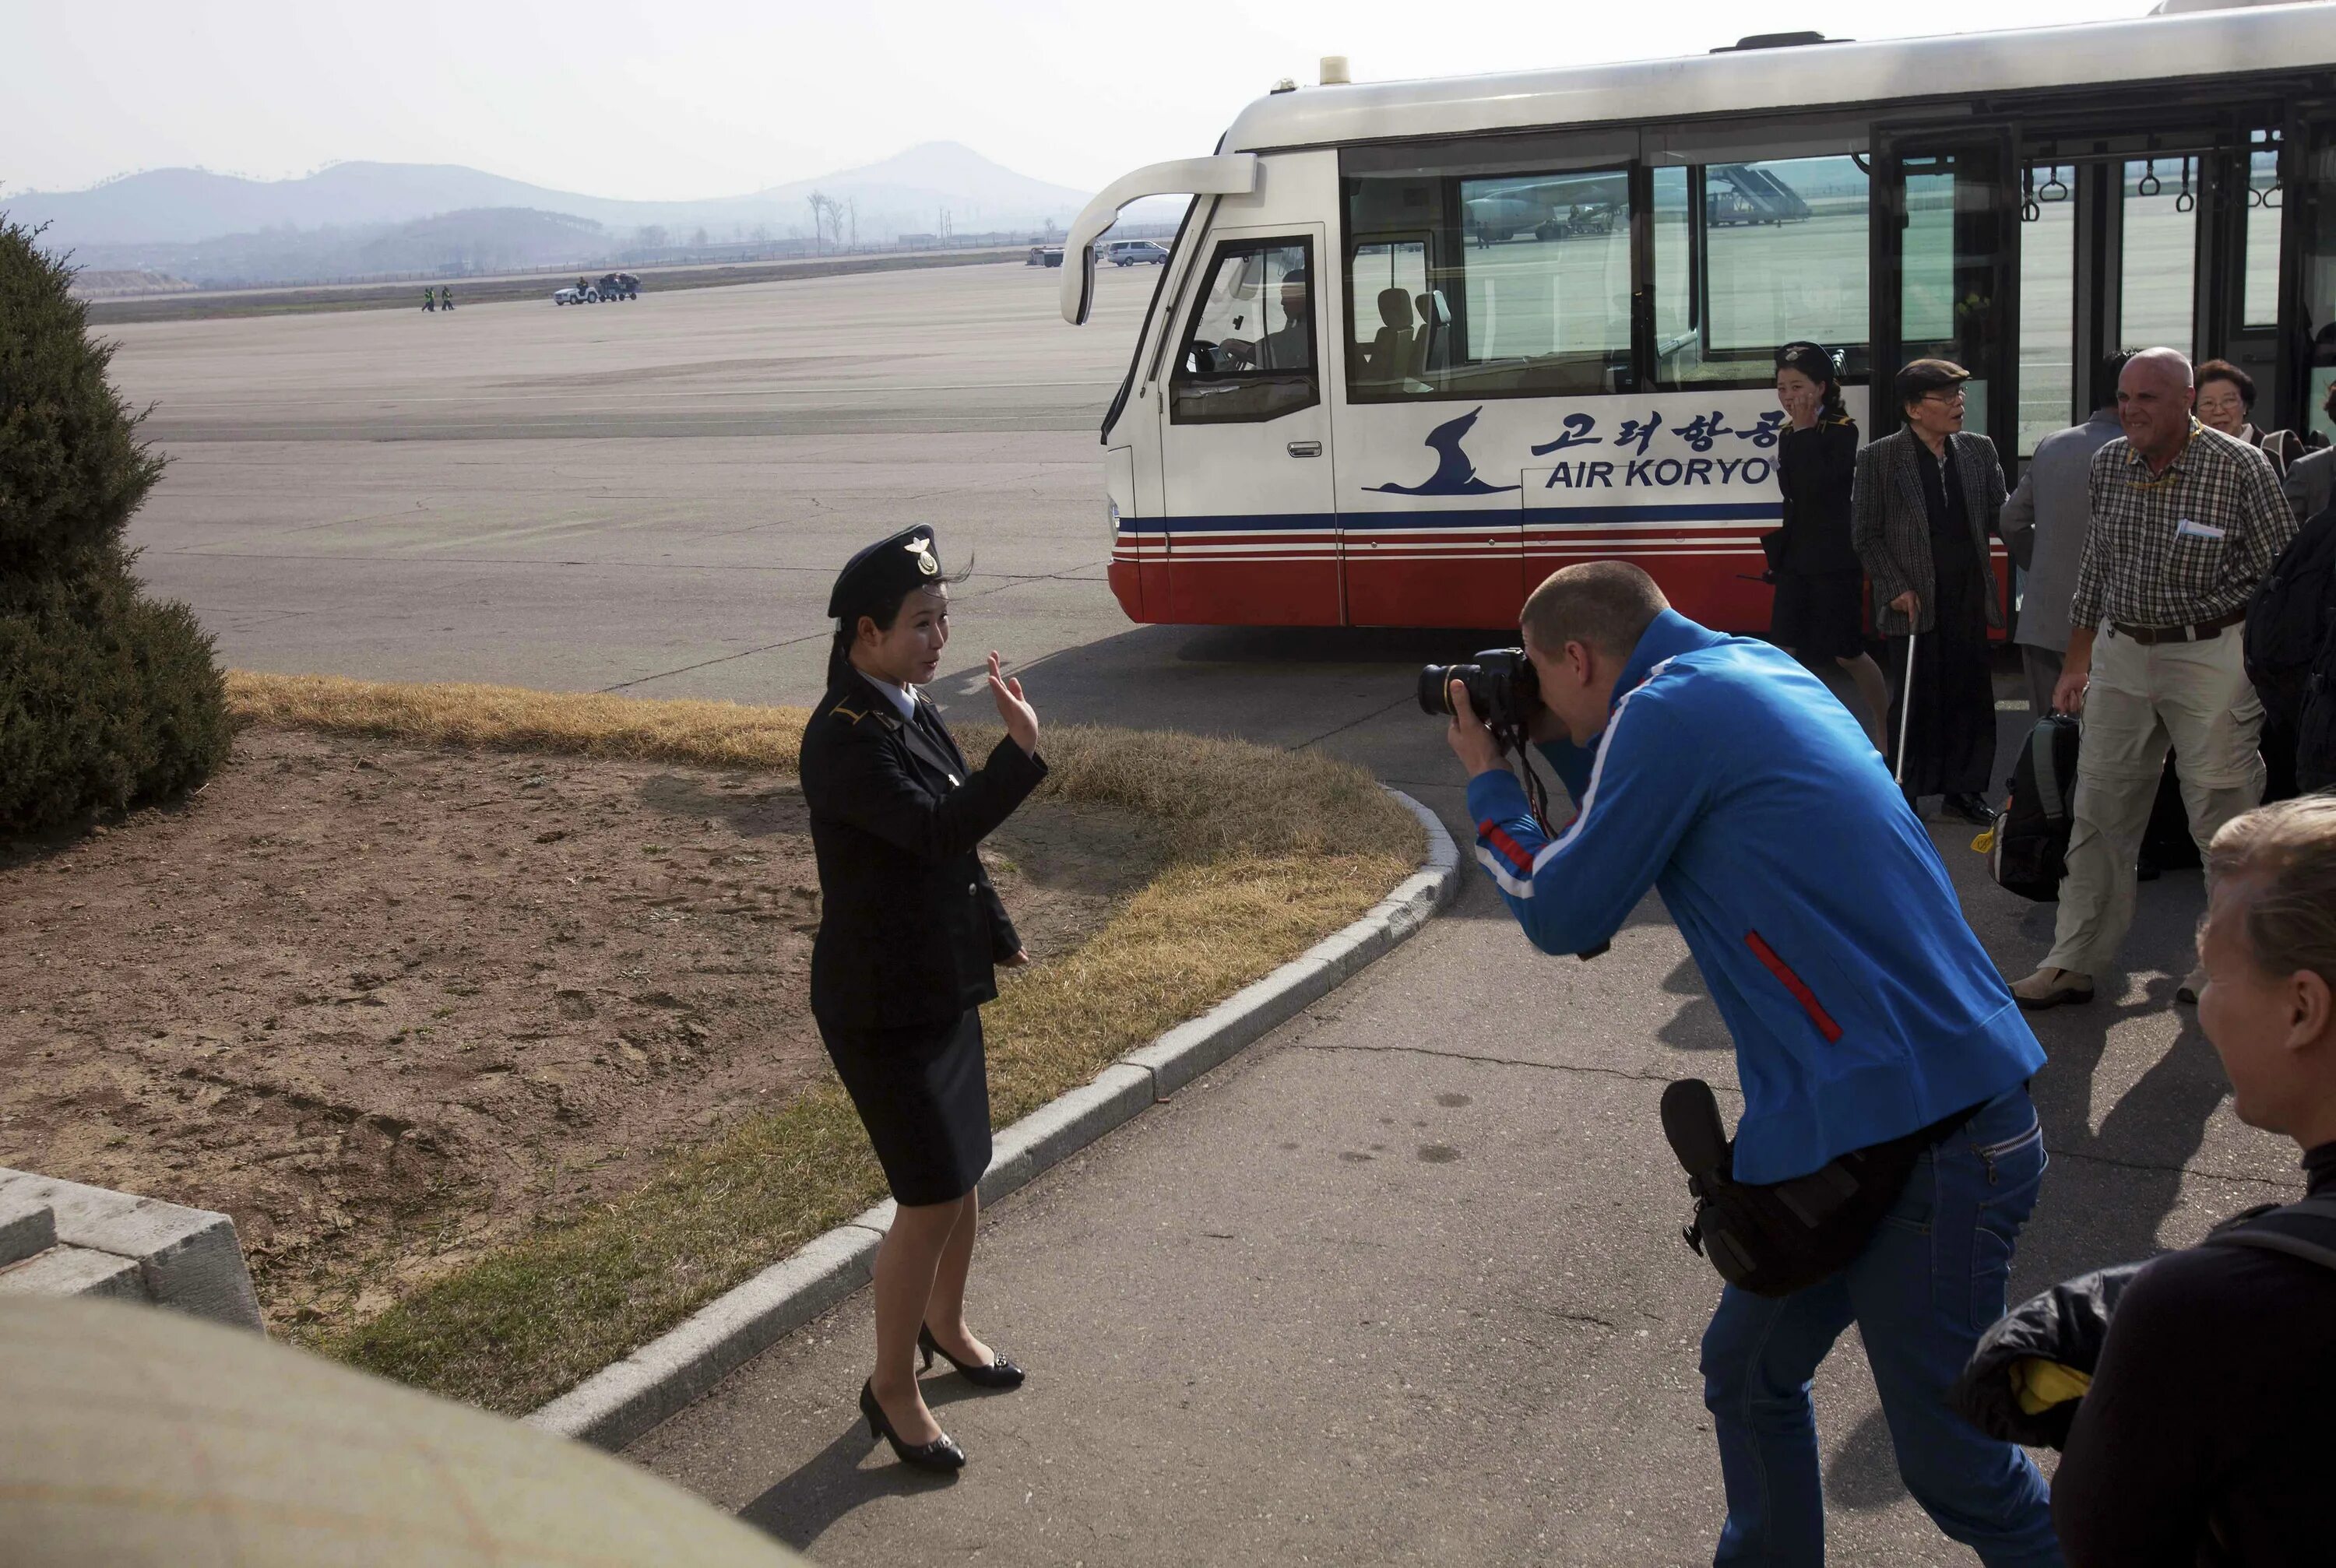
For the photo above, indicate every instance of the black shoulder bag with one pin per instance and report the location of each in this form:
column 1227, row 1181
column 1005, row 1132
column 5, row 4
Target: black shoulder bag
column 1774, row 1238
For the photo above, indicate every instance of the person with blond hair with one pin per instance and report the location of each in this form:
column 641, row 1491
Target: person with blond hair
column 2205, row 1437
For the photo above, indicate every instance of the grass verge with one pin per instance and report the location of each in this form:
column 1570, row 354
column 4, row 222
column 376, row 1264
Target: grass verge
column 1267, row 852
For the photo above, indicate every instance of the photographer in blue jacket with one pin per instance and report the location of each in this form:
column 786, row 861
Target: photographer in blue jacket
column 1719, row 772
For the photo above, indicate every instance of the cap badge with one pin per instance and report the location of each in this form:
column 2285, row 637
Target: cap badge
column 923, row 549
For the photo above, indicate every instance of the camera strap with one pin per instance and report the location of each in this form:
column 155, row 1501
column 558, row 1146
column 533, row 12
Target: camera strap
column 1536, row 792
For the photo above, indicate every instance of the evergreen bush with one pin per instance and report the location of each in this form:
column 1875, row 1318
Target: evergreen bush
column 108, row 698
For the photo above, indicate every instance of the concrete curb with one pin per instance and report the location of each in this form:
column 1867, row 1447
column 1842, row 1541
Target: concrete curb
column 61, row 1238
column 623, row 1400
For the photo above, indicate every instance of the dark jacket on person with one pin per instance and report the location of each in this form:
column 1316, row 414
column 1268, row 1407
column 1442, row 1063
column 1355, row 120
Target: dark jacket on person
column 1816, row 470
column 2207, row 1435
column 910, row 929
column 1891, row 524
column 2307, row 484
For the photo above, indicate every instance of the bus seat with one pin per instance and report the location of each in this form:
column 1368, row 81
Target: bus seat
column 1432, row 349
column 1390, row 355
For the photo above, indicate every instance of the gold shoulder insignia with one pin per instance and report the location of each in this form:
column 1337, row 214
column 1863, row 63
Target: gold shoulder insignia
column 840, row 711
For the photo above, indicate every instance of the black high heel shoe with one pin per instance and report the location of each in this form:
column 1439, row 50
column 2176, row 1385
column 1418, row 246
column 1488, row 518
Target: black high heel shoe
column 1000, row 1374
column 940, row 1454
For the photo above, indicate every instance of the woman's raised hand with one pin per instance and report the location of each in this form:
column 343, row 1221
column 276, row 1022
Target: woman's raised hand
column 1021, row 718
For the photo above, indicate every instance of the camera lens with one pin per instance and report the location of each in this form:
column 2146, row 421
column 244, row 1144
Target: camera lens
column 1435, row 690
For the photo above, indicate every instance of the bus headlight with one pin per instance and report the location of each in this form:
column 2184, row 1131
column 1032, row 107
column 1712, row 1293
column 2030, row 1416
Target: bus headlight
column 1111, row 513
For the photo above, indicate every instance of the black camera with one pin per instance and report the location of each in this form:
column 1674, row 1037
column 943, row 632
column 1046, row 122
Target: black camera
column 1502, row 686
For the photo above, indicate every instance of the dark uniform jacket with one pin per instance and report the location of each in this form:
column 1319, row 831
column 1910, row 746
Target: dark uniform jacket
column 910, row 927
column 1891, row 524
column 1815, row 470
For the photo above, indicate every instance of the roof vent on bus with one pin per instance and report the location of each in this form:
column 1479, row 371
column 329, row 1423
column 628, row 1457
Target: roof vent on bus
column 1778, row 41
column 1335, row 73
column 1285, row 85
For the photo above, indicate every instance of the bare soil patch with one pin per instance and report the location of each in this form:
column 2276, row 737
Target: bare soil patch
column 393, row 1006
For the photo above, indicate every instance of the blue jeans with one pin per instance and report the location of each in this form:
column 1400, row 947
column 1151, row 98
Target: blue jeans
column 1927, row 1285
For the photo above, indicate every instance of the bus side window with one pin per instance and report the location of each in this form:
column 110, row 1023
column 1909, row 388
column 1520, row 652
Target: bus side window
column 1248, row 351
column 1754, row 254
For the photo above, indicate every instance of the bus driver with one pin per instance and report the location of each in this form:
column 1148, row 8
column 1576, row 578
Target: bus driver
column 1291, row 346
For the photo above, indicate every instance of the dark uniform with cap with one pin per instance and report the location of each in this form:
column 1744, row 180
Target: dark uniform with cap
column 910, row 928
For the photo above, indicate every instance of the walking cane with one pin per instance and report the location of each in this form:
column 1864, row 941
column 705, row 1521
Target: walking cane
column 1906, row 703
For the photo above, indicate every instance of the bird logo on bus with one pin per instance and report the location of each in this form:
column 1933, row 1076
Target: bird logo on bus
column 1455, row 474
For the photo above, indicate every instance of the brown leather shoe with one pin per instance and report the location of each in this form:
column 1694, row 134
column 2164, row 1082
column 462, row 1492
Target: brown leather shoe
column 2049, row 988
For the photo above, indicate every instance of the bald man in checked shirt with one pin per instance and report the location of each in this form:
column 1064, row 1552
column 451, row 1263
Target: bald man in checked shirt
column 2186, row 521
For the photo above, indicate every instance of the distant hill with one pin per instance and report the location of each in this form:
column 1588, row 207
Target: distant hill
column 907, row 193
column 450, row 244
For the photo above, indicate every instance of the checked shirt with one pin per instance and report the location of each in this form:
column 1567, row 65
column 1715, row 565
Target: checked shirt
column 2143, row 567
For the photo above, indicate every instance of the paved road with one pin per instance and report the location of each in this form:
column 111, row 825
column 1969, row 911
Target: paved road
column 1402, row 1284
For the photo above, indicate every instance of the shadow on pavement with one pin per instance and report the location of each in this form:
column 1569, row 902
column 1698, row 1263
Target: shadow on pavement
column 853, row 1470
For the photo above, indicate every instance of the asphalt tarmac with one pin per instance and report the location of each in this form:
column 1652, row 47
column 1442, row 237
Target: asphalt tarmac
column 1403, row 1283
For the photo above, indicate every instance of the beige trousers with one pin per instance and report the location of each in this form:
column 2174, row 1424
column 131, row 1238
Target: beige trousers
column 2193, row 695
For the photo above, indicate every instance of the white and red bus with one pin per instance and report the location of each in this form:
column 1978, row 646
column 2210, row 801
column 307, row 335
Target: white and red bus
column 1419, row 342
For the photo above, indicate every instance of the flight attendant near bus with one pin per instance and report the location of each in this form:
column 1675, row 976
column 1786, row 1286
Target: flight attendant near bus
column 909, row 933
column 1820, row 610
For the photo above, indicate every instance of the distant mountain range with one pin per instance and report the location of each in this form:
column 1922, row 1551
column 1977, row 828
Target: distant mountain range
column 355, row 218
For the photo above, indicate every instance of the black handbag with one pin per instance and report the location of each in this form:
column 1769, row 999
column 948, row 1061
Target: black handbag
column 1774, row 1238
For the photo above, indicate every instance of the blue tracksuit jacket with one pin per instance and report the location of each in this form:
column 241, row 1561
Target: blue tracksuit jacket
column 1732, row 783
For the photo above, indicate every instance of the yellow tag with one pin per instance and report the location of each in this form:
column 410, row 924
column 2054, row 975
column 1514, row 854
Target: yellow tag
column 1985, row 842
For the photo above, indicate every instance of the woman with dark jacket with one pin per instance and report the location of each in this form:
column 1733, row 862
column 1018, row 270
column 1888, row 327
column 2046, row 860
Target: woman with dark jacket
column 1926, row 500
column 910, row 932
column 1820, row 610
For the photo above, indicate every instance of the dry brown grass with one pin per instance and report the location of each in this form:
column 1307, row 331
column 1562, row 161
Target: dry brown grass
column 1267, row 852
column 512, row 719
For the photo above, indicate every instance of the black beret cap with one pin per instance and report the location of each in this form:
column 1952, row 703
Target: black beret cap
column 1811, row 359
column 885, row 570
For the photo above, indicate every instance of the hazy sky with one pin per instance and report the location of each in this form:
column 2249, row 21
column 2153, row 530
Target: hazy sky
column 691, row 98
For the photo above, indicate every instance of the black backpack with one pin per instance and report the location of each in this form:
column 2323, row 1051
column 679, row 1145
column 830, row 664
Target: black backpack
column 2032, row 837
column 2288, row 619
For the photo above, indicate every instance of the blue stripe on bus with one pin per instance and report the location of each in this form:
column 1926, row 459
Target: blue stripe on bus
column 1364, row 521
column 1715, row 511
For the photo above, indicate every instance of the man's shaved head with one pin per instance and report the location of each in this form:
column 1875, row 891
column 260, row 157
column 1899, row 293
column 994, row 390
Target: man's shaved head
column 2170, row 364
column 2154, row 395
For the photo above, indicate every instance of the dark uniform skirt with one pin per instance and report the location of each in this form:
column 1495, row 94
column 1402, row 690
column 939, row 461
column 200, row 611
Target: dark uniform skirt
column 1820, row 614
column 923, row 1094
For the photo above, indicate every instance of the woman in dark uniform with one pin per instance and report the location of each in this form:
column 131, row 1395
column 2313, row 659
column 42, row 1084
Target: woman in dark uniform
column 910, row 932
column 1820, row 612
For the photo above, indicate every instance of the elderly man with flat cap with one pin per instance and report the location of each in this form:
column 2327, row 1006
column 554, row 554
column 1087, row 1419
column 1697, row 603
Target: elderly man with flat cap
column 1925, row 500
column 910, row 935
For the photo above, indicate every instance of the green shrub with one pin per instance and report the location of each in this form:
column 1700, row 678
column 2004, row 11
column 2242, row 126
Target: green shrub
column 108, row 698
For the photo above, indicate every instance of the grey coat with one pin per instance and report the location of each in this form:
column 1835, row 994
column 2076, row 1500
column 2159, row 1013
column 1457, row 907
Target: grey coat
column 2307, row 483
column 1891, row 526
column 2044, row 525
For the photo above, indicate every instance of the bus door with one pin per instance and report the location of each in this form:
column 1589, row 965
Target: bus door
column 2304, row 191
column 1947, row 278
column 1252, row 518
column 1944, row 262
column 2168, row 240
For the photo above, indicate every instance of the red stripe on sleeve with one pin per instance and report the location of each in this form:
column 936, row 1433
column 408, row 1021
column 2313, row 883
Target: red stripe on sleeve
column 1508, row 846
column 1794, row 984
